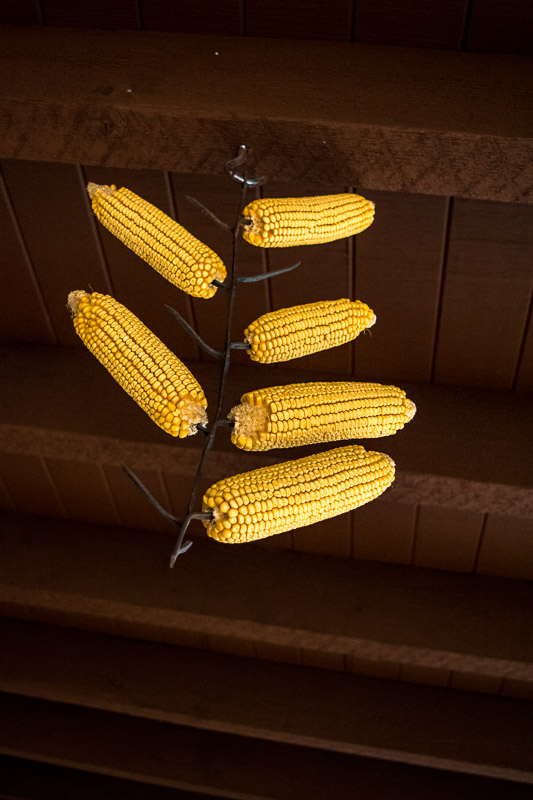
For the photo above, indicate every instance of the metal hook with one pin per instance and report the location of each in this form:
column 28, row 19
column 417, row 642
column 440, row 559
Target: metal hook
column 239, row 161
column 179, row 547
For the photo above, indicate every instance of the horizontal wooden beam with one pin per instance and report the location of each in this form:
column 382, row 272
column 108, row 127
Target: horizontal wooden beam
column 425, row 625
column 466, row 449
column 415, row 120
column 281, row 703
column 227, row 765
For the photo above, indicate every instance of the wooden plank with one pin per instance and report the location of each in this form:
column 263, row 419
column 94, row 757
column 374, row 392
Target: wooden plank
column 223, row 17
column 133, row 509
column 84, row 491
column 484, row 467
column 21, row 779
column 523, row 380
column 66, row 257
column 398, row 271
column 501, row 26
column 139, row 287
column 507, row 548
column 384, row 532
column 230, row 766
column 300, row 20
column 115, row 15
column 29, row 484
column 448, row 124
column 447, row 539
column 316, row 708
column 20, row 12
column 25, row 316
column 488, row 271
column 331, row 537
column 411, row 24
column 117, row 580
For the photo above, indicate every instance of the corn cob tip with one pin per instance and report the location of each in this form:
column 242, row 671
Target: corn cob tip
column 73, row 300
column 100, row 190
column 411, row 409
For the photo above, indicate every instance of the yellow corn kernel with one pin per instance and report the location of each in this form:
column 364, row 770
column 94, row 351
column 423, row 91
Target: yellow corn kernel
column 295, row 493
column 301, row 330
column 145, row 368
column 289, row 221
column 310, row 413
column 159, row 240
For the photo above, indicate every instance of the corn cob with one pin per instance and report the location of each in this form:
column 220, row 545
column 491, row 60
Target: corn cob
column 164, row 244
column 289, row 221
column 301, row 330
column 282, row 497
column 310, row 413
column 145, row 368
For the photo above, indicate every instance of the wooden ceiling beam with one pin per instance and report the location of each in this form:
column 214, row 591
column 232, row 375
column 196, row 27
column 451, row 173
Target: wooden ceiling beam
column 401, row 119
column 420, row 624
column 289, row 704
column 466, row 449
column 232, row 766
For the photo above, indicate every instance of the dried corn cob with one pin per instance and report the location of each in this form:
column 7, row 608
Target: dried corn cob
column 145, row 368
column 301, row 330
column 164, row 244
column 282, row 497
column 288, row 221
column 309, row 413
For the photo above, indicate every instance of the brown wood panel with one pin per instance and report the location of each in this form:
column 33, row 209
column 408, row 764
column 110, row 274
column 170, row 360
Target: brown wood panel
column 24, row 315
column 524, row 373
column 322, row 659
column 446, row 538
column 430, row 121
column 429, row 676
column 29, row 484
column 223, row 17
column 520, row 689
column 6, row 503
column 20, row 12
column 375, row 669
column 284, row 654
column 52, row 213
column 398, row 273
column 84, row 491
column 215, row 193
column 105, row 14
column 384, row 531
column 133, row 508
column 411, row 23
column 501, row 26
column 324, row 274
column 231, row 644
column 331, row 537
column 475, row 683
column 136, row 284
column 302, row 19
column 486, row 295
column 507, row 548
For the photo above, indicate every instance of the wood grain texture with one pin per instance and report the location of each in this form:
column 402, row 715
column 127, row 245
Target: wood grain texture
column 20, row 12
column 486, row 298
column 296, row 705
column 29, row 484
column 411, row 24
column 507, row 548
column 116, row 580
column 425, row 121
column 384, row 532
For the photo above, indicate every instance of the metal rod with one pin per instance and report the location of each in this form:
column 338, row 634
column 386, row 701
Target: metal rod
column 179, row 547
column 190, row 330
column 140, row 485
column 193, row 201
column 264, row 276
column 238, row 161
